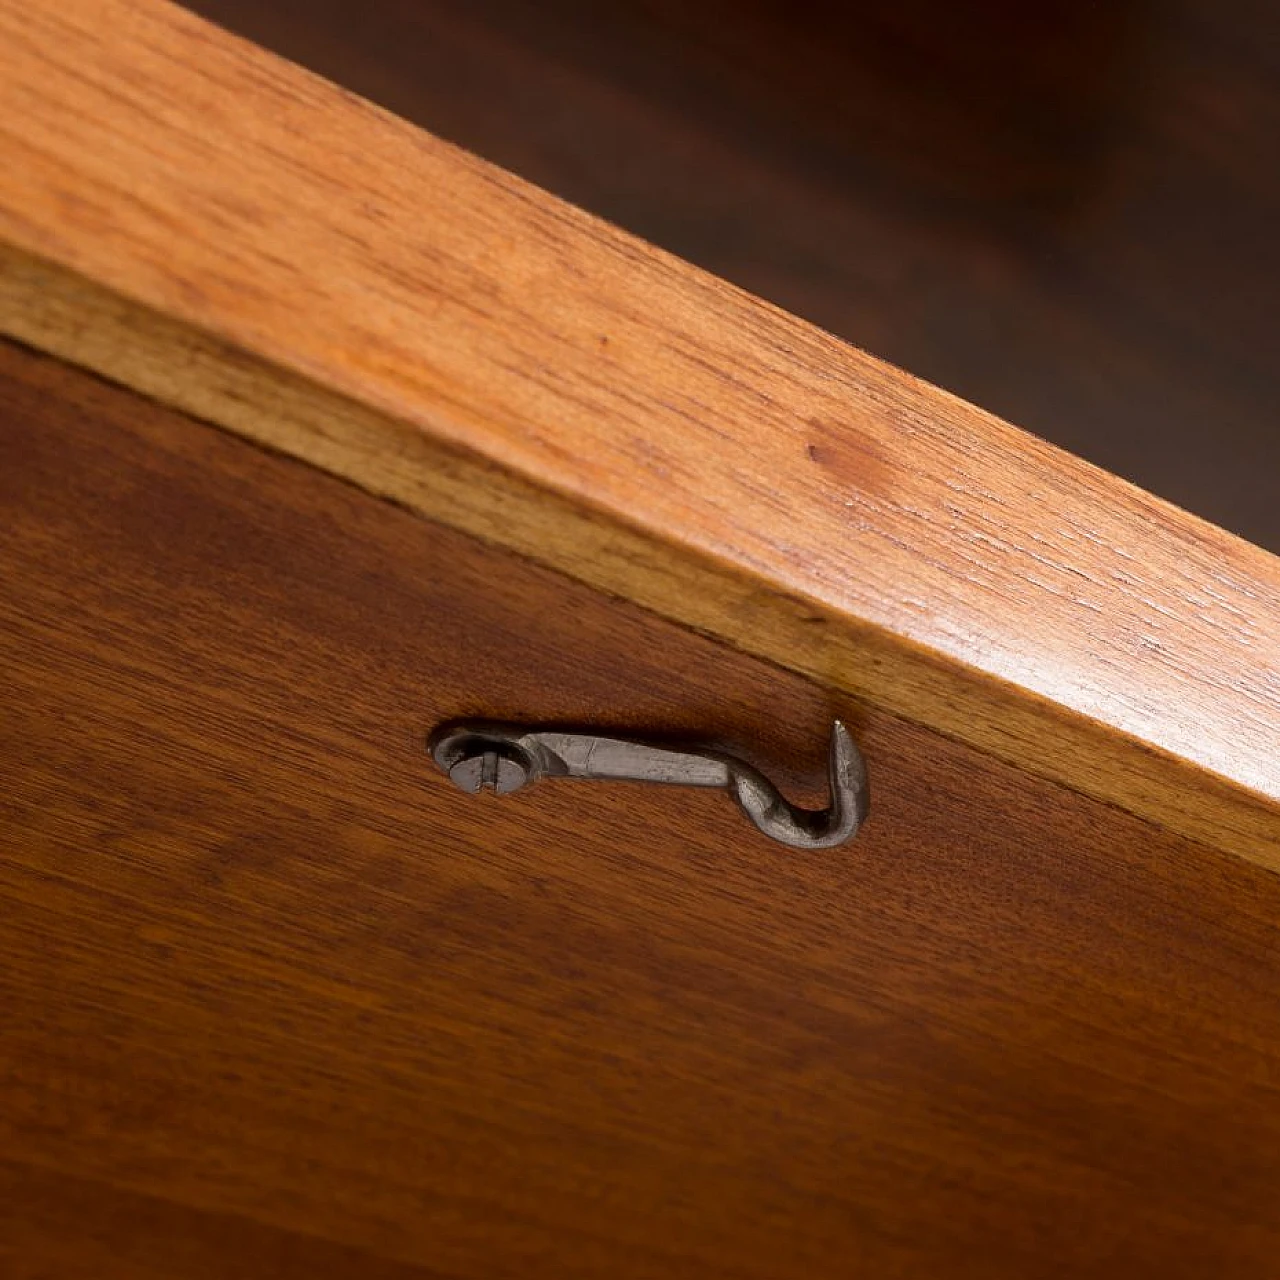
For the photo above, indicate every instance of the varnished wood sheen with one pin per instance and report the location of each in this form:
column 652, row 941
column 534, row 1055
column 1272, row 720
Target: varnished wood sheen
column 217, row 228
column 278, row 1001
column 1062, row 212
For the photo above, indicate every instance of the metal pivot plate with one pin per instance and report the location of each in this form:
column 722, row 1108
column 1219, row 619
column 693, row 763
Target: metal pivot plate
column 479, row 755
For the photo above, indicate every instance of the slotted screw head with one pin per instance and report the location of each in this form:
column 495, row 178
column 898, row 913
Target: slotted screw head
column 489, row 769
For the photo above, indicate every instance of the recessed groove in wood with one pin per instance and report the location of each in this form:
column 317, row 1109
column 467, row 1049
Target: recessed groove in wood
column 212, row 226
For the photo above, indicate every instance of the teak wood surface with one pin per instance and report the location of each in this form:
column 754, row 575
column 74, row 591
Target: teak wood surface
column 228, row 234
column 1062, row 212
column 278, row 1001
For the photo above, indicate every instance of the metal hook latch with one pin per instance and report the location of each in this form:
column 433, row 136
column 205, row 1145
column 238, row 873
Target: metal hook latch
column 505, row 757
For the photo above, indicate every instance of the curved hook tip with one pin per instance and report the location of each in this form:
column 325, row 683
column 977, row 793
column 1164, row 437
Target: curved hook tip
column 801, row 828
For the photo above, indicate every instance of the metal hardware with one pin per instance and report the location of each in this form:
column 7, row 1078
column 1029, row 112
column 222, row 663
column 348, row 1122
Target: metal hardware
column 505, row 757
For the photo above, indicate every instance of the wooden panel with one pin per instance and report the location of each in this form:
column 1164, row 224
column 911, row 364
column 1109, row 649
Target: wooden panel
column 440, row 333
column 1062, row 212
column 278, row 1000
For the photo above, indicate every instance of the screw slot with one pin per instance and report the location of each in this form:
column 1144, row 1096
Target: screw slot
column 484, row 765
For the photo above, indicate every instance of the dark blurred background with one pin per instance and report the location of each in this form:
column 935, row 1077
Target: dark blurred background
column 1064, row 212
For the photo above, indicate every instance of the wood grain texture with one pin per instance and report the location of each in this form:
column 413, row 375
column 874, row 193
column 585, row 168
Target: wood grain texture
column 1064, row 213
column 279, row 1001
column 231, row 235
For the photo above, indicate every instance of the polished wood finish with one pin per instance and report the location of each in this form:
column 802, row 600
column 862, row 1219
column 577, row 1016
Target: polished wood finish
column 208, row 224
column 1063, row 212
column 279, row 1001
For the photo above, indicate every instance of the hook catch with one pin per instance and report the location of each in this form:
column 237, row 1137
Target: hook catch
column 505, row 757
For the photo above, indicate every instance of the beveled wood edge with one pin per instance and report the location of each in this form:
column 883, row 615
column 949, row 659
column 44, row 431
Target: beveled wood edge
column 64, row 315
column 403, row 315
